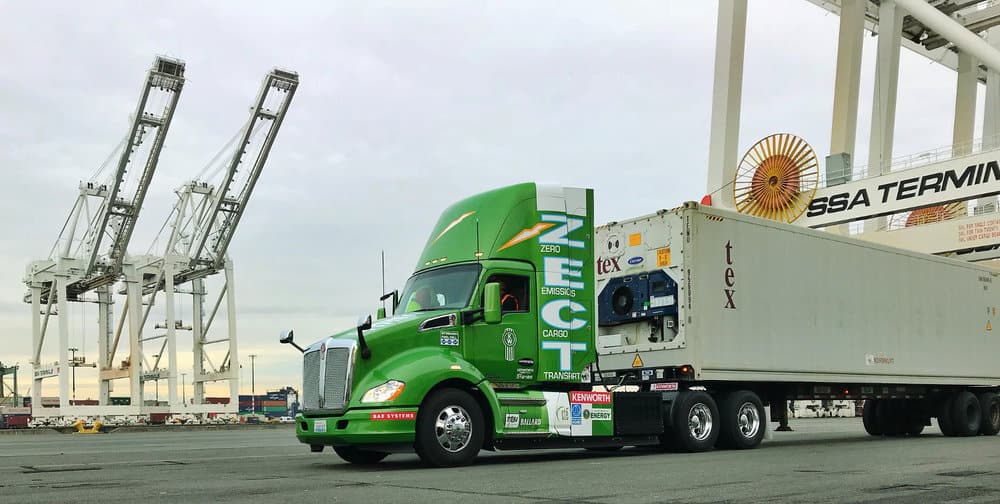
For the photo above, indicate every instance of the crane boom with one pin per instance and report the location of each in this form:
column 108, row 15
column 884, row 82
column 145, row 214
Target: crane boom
column 118, row 212
column 213, row 232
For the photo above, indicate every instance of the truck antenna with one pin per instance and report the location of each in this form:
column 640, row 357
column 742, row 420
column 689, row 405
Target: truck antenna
column 383, row 280
column 479, row 253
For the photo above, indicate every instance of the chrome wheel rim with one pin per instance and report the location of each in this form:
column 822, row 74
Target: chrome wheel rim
column 700, row 422
column 748, row 420
column 453, row 428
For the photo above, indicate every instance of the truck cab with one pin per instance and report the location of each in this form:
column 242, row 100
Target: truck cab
column 498, row 313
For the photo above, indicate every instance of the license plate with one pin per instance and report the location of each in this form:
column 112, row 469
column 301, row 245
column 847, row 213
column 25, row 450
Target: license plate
column 319, row 426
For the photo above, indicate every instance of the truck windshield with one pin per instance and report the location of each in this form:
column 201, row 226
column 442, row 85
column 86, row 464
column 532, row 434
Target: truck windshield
column 440, row 289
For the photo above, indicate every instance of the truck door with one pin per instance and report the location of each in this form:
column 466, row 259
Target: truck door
column 507, row 352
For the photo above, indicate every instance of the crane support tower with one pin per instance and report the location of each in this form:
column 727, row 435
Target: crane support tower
column 201, row 227
column 89, row 254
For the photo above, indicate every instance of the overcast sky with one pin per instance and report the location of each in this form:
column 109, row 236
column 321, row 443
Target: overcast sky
column 400, row 111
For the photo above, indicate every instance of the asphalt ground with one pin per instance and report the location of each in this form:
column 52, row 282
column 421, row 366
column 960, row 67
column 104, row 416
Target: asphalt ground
column 823, row 460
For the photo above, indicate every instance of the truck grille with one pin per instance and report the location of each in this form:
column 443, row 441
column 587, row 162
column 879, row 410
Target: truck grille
column 326, row 382
column 337, row 365
column 310, row 381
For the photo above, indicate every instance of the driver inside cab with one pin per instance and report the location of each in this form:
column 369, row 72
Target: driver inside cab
column 423, row 299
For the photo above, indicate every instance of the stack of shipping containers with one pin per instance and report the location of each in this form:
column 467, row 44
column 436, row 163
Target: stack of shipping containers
column 276, row 403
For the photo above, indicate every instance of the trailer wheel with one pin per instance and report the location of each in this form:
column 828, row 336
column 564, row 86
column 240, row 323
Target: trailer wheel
column 868, row 417
column 965, row 414
column 450, row 429
column 743, row 420
column 916, row 427
column 989, row 404
column 944, row 416
column 695, row 421
column 357, row 456
column 889, row 417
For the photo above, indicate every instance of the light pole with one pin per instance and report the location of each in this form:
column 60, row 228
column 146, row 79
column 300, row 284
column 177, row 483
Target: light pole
column 72, row 364
column 184, row 389
column 253, row 394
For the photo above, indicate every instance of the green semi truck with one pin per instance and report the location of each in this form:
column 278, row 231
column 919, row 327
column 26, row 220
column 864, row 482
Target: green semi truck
column 524, row 326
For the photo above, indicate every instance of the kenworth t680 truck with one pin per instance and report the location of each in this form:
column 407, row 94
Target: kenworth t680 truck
column 523, row 326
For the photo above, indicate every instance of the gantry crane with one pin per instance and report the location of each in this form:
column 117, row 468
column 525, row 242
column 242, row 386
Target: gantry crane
column 201, row 226
column 90, row 251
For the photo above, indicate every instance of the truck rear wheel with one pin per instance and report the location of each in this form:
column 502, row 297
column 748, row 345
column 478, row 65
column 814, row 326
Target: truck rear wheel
column 966, row 415
column 743, row 420
column 868, row 417
column 695, row 421
column 989, row 404
column 450, row 429
column 889, row 417
column 355, row 455
column 944, row 416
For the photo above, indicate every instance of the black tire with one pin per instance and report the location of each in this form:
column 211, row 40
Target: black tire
column 944, row 418
column 889, row 416
column 742, row 420
column 966, row 416
column 694, row 421
column 357, row 456
column 450, row 429
column 916, row 427
column 989, row 404
column 868, row 417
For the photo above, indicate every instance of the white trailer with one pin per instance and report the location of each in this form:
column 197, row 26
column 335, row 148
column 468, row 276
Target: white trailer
column 708, row 298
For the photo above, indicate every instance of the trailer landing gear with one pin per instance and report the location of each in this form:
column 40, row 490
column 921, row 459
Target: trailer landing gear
column 779, row 412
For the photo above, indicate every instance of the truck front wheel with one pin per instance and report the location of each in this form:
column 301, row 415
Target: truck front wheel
column 694, row 421
column 450, row 429
column 743, row 420
column 361, row 457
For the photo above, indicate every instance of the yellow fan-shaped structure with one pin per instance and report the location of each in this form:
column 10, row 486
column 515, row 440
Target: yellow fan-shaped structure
column 776, row 178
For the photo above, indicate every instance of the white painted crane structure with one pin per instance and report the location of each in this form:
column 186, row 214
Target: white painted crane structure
column 88, row 257
column 917, row 202
column 201, row 227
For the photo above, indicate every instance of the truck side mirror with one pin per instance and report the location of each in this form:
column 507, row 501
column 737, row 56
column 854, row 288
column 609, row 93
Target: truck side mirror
column 364, row 324
column 380, row 314
column 491, row 303
column 287, row 338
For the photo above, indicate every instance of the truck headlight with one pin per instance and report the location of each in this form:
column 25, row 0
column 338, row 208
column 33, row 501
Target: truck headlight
column 384, row 392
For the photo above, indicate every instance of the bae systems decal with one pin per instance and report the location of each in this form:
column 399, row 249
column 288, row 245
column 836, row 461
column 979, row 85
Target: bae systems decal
column 907, row 188
column 393, row 415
